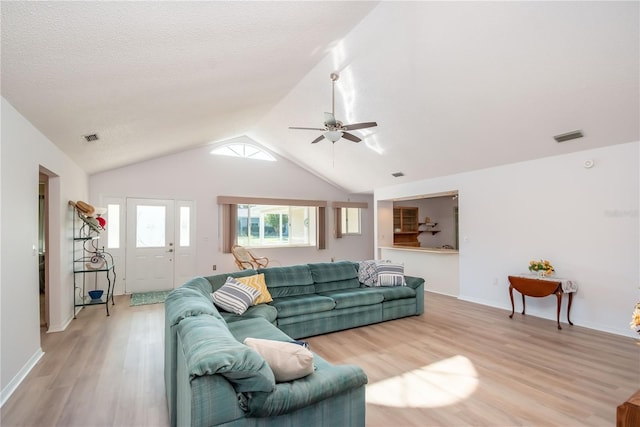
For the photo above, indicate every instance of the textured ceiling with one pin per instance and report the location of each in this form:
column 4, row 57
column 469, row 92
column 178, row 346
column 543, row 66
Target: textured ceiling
column 156, row 77
column 454, row 86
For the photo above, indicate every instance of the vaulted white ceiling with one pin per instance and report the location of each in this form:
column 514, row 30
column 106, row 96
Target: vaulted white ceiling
column 454, row 86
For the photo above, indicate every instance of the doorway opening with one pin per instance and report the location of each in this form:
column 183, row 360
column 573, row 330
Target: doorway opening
column 43, row 243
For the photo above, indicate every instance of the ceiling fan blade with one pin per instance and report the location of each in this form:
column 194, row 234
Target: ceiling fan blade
column 359, row 126
column 293, row 127
column 350, row 137
column 318, row 139
column 329, row 119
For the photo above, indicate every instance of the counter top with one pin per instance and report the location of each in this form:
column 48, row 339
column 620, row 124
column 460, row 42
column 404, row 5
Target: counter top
column 418, row 249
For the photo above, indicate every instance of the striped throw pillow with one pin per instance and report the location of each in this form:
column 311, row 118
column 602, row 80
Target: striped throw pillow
column 234, row 297
column 390, row 274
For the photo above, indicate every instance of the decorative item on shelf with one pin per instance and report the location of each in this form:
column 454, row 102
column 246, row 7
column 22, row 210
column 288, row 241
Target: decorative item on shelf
column 96, row 294
column 635, row 319
column 541, row 267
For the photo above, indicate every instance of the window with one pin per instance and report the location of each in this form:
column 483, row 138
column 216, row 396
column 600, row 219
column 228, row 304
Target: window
column 275, row 225
column 247, row 151
column 348, row 217
column 350, row 221
column 267, row 222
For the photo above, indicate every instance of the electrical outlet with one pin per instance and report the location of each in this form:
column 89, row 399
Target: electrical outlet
column 214, row 267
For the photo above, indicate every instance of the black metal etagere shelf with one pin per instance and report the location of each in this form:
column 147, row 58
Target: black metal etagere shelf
column 89, row 261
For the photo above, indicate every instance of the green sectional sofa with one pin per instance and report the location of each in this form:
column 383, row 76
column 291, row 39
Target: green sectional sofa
column 211, row 378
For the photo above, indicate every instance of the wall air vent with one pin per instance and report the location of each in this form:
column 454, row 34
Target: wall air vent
column 90, row 138
column 397, row 174
column 569, row 136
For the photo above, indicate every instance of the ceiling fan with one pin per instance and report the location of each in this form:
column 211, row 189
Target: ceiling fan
column 334, row 129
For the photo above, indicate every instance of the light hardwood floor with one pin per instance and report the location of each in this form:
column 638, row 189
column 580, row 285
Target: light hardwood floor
column 458, row 364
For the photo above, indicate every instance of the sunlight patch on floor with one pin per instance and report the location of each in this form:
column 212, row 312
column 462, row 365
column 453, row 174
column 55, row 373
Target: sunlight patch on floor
column 438, row 384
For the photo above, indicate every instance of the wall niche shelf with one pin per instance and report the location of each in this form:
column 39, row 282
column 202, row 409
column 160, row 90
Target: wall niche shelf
column 405, row 226
column 428, row 227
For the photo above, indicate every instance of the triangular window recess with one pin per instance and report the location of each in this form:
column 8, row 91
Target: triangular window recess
column 247, row 151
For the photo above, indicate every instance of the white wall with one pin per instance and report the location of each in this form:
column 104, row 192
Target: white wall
column 24, row 150
column 584, row 220
column 197, row 175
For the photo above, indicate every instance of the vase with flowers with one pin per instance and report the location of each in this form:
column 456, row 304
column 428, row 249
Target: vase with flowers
column 541, row 267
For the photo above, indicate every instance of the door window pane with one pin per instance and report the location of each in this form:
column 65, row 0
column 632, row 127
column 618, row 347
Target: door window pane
column 150, row 230
column 185, row 224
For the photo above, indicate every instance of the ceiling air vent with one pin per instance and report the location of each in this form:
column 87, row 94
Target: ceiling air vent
column 569, row 136
column 397, row 174
column 90, row 138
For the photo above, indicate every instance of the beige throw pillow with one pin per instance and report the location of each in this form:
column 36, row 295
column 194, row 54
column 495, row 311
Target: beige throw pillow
column 288, row 361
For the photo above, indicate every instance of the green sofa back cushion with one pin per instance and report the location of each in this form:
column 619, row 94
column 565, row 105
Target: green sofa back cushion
column 332, row 271
column 210, row 349
column 332, row 276
column 186, row 302
column 288, row 281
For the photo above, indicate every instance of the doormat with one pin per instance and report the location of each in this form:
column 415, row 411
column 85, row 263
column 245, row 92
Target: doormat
column 144, row 298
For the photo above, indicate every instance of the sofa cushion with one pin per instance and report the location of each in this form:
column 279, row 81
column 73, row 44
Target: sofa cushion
column 287, row 360
column 391, row 293
column 338, row 285
column 210, row 349
column 256, row 327
column 200, row 284
column 326, row 381
column 333, row 271
column 235, row 297
column 346, row 298
column 264, row 311
column 257, row 282
column 288, row 281
column 305, row 304
column 186, row 302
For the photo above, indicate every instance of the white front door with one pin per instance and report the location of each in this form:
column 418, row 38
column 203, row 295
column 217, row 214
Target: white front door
column 150, row 245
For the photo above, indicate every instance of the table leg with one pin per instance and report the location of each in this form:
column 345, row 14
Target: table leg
column 522, row 303
column 569, row 308
column 511, row 297
column 559, row 295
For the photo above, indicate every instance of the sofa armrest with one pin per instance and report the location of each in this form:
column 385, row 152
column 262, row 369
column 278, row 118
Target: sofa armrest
column 325, row 382
column 413, row 282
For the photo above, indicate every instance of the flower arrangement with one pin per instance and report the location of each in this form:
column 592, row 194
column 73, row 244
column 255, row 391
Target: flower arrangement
column 542, row 267
column 635, row 319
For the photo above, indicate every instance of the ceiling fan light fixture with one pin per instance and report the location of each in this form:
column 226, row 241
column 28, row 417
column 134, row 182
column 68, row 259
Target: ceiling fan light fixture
column 333, row 135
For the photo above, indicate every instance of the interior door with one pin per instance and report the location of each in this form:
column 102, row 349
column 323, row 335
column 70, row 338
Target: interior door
column 150, row 245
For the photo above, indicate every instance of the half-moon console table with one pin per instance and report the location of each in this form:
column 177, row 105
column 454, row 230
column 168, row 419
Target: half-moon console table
column 534, row 287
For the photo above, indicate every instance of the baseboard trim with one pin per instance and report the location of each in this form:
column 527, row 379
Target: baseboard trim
column 57, row 328
column 6, row 392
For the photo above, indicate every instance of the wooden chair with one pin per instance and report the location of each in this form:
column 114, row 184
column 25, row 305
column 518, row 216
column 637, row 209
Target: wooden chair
column 245, row 259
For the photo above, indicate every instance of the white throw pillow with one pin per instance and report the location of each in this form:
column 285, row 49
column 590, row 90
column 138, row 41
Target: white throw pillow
column 288, row 361
column 390, row 274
